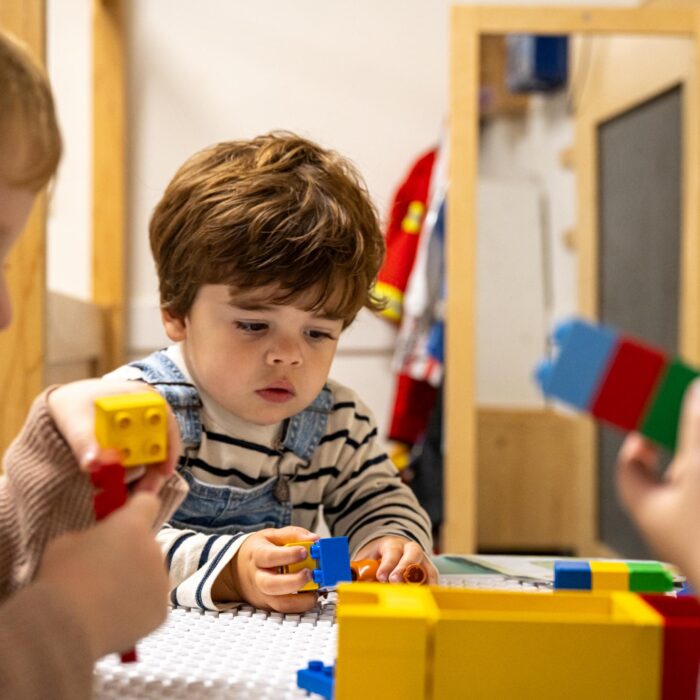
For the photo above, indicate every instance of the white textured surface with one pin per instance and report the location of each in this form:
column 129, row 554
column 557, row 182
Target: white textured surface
column 244, row 653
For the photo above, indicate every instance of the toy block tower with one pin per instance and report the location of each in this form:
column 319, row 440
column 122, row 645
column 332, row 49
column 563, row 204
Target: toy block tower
column 617, row 379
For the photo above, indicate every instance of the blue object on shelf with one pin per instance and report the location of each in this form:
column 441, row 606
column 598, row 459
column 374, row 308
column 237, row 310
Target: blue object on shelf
column 317, row 678
column 536, row 63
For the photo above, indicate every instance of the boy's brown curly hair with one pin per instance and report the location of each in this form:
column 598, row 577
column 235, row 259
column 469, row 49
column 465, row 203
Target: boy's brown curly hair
column 276, row 210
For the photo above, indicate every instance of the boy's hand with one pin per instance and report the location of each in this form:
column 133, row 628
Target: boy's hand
column 396, row 553
column 665, row 507
column 253, row 575
column 72, row 407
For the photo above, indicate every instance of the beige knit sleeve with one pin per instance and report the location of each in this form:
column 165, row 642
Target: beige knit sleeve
column 43, row 494
column 44, row 652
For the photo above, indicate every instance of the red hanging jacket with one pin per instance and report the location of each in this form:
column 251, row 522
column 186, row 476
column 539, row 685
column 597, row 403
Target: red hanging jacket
column 402, row 235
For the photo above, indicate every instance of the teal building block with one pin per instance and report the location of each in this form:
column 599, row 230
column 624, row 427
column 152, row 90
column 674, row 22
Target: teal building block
column 660, row 422
column 649, row 577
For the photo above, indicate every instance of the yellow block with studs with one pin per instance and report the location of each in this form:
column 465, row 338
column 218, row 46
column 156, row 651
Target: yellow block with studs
column 135, row 424
column 609, row 576
column 308, row 563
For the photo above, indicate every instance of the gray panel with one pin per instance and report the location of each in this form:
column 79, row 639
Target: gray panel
column 640, row 222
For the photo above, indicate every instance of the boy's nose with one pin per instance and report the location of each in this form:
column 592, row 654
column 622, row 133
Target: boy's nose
column 285, row 352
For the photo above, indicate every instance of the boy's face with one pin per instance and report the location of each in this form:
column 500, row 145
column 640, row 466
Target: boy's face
column 262, row 362
column 15, row 205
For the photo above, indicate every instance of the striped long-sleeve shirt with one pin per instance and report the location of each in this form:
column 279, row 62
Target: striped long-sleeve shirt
column 349, row 474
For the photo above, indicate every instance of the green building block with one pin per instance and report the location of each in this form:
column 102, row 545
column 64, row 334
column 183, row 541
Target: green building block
column 649, row 577
column 660, row 423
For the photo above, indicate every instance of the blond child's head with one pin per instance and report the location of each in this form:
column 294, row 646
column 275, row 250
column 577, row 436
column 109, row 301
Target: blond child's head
column 276, row 210
column 30, row 147
column 30, row 141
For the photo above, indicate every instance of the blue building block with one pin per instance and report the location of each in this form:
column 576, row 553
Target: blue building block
column 317, row 678
column 572, row 575
column 333, row 557
column 580, row 366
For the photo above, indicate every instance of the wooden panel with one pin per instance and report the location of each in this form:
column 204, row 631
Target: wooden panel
column 570, row 20
column 459, row 528
column 108, row 194
column 624, row 72
column 529, row 470
column 22, row 345
column 468, row 24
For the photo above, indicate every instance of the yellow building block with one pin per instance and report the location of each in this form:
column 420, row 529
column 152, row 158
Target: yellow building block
column 308, row 563
column 498, row 644
column 135, row 424
column 384, row 648
column 431, row 643
column 609, row 576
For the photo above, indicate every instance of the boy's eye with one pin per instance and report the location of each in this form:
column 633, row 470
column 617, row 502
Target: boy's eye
column 319, row 335
column 251, row 326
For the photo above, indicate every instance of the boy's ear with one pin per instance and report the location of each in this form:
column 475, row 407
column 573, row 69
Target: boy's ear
column 175, row 327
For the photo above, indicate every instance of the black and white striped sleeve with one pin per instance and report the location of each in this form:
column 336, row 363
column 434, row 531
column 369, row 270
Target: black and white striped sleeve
column 194, row 561
column 367, row 499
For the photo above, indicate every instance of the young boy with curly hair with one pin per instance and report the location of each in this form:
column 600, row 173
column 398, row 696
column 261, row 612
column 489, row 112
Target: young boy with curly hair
column 266, row 250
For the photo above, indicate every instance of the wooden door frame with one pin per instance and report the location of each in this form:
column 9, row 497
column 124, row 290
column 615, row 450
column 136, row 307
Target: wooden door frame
column 468, row 24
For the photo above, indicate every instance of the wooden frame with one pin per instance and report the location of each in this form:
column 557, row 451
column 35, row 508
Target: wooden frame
column 108, row 177
column 469, row 23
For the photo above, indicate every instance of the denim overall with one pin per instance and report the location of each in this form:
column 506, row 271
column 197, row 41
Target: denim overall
column 229, row 509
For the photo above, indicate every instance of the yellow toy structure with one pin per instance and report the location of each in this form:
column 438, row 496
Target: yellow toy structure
column 431, row 643
column 135, row 424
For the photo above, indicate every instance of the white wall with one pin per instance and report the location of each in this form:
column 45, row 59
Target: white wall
column 68, row 228
column 367, row 78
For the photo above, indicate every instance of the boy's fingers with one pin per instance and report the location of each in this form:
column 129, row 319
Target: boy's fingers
column 390, row 557
column 291, row 533
column 276, row 584
column 296, row 603
column 412, row 554
column 271, row 556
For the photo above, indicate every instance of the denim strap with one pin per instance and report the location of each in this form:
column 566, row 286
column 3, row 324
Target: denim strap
column 166, row 378
column 305, row 429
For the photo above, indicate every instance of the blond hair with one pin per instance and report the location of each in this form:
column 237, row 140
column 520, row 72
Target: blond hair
column 30, row 140
column 276, row 210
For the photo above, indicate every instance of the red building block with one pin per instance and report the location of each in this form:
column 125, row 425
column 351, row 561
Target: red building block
column 681, row 644
column 629, row 384
column 108, row 480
